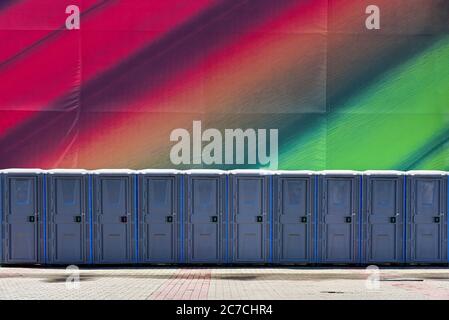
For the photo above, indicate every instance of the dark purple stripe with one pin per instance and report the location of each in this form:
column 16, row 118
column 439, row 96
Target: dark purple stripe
column 179, row 50
column 6, row 3
column 50, row 36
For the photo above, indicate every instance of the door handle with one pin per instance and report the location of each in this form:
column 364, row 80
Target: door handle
column 31, row 219
column 259, row 218
column 214, row 219
column 436, row 219
column 169, row 219
column 392, row 219
column 78, row 219
column 304, row 219
column 124, row 219
column 348, row 219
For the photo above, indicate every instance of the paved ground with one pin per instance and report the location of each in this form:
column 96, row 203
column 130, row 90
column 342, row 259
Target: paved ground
column 224, row 283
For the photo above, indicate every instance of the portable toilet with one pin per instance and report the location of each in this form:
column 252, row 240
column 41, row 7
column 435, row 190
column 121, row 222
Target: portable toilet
column 339, row 210
column 114, row 215
column 294, row 220
column 383, row 217
column 68, row 217
column 426, row 220
column 23, row 216
column 205, row 217
column 159, row 216
column 251, row 233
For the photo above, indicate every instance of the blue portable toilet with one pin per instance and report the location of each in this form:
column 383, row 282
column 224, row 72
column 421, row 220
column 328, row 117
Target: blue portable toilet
column 114, row 214
column 159, row 216
column 205, row 218
column 1, row 218
column 251, row 234
column 23, row 216
column 427, row 195
column 339, row 211
column 294, row 220
column 68, row 217
column 383, row 217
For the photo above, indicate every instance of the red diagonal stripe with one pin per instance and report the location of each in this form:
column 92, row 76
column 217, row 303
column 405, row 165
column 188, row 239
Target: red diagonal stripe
column 116, row 33
column 23, row 25
column 54, row 69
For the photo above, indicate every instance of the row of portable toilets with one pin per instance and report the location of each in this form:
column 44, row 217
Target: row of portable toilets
column 211, row 216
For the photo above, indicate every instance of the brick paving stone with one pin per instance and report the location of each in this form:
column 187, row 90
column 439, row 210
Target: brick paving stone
column 224, row 283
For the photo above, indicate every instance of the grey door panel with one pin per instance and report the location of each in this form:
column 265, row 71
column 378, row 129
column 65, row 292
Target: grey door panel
column 21, row 219
column 294, row 219
column 205, row 219
column 159, row 219
column 67, row 222
column 384, row 219
column 427, row 220
column 250, row 219
column 113, row 219
column 339, row 219
column 338, row 242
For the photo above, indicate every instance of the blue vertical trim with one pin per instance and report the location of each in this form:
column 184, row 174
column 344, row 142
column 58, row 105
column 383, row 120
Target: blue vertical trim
column 136, row 216
column 227, row 221
column 181, row 215
column 270, row 201
column 45, row 216
column 91, row 227
column 360, row 218
column 404, row 209
column 315, row 217
column 1, row 218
